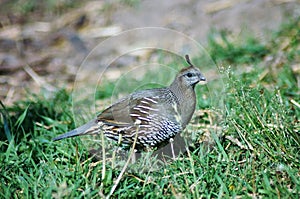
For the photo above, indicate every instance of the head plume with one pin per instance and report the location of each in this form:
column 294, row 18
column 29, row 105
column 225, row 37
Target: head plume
column 187, row 58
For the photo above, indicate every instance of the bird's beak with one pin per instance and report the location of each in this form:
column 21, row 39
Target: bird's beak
column 202, row 78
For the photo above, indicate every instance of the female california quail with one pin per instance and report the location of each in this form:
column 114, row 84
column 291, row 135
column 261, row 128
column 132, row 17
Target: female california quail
column 161, row 112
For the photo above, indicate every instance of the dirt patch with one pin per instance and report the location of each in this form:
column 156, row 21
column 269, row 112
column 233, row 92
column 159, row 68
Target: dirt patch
column 46, row 53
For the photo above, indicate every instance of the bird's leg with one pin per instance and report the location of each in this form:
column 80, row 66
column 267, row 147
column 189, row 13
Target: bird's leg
column 172, row 147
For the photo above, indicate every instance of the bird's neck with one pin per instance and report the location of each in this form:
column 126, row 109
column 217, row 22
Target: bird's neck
column 187, row 100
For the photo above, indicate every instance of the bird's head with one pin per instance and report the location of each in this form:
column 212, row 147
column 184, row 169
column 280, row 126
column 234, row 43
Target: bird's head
column 191, row 75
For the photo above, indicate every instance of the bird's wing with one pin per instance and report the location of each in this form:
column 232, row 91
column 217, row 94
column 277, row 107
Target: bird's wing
column 140, row 105
column 156, row 109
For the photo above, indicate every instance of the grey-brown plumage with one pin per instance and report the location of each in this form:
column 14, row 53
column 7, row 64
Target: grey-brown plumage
column 162, row 112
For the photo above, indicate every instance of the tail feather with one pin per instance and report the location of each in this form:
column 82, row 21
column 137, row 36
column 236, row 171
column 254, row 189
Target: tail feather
column 89, row 128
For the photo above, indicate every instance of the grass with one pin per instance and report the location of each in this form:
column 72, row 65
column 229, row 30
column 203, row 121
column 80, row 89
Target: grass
column 258, row 154
column 247, row 52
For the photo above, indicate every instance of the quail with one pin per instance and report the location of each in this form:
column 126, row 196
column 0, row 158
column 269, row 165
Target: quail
column 161, row 112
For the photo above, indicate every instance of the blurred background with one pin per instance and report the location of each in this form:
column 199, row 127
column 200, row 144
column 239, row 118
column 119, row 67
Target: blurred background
column 43, row 43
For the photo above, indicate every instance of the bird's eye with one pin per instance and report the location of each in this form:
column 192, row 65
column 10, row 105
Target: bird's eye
column 189, row 74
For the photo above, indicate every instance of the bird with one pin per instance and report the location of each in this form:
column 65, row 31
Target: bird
column 160, row 113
